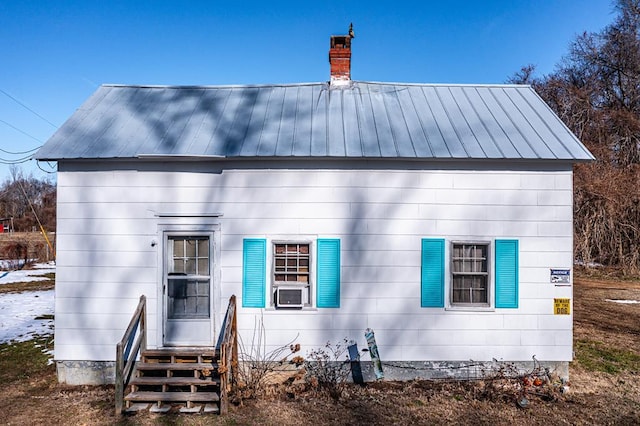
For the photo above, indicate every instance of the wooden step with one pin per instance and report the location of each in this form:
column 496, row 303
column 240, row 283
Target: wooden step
column 179, row 352
column 159, row 359
column 172, row 381
column 176, row 366
column 172, row 396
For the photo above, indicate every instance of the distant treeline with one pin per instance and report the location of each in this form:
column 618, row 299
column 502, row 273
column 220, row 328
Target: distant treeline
column 596, row 92
column 21, row 196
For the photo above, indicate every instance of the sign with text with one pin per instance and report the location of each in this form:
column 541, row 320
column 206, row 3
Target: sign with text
column 560, row 276
column 562, row 306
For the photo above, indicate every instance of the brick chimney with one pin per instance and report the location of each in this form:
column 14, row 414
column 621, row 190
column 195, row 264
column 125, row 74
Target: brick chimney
column 340, row 58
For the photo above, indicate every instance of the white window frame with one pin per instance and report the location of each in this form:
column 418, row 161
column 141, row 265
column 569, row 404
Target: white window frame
column 307, row 298
column 489, row 278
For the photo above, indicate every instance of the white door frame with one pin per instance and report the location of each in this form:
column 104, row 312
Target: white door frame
column 186, row 227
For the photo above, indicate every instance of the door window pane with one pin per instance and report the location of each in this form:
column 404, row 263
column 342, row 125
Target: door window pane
column 188, row 298
column 188, row 279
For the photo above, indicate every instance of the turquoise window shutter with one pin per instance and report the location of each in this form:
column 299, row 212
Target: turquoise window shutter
column 328, row 273
column 254, row 269
column 506, row 273
column 432, row 280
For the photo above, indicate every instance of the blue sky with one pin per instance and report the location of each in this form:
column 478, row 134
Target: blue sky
column 56, row 53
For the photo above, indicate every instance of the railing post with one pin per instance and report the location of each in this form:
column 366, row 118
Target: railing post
column 234, row 343
column 125, row 367
column 119, row 379
column 143, row 323
column 224, row 378
column 228, row 355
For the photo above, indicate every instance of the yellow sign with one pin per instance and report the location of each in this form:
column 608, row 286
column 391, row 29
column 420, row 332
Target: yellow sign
column 561, row 306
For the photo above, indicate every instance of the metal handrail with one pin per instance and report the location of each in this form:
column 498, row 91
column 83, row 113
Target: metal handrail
column 127, row 350
column 227, row 347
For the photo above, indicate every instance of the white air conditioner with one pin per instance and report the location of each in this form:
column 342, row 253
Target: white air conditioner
column 289, row 297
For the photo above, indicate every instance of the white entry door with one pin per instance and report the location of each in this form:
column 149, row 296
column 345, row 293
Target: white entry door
column 188, row 289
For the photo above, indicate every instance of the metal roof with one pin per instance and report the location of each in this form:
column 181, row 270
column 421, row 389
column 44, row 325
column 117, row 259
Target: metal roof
column 358, row 120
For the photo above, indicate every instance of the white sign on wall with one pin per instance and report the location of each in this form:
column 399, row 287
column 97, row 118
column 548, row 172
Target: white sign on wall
column 560, row 276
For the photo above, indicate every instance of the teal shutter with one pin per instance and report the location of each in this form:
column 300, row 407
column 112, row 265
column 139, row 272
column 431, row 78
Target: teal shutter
column 328, row 273
column 432, row 280
column 506, row 273
column 254, row 269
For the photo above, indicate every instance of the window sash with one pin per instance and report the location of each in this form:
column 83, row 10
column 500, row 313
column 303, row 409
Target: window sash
column 291, row 263
column 291, row 266
column 470, row 274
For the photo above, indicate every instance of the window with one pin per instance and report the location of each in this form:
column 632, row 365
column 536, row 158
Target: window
column 469, row 281
column 188, row 277
column 470, row 274
column 291, row 275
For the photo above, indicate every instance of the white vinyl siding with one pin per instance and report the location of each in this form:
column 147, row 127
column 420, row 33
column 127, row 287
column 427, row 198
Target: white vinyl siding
column 107, row 221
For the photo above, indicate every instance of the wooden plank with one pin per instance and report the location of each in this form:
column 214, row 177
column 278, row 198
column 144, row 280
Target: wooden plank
column 177, row 366
column 174, row 381
column 173, row 396
column 180, row 352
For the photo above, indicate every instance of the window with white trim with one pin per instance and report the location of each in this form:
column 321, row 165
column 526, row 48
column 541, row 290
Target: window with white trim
column 470, row 274
column 291, row 274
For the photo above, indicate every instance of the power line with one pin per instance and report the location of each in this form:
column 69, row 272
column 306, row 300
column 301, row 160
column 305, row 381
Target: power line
column 46, row 171
column 21, row 131
column 21, row 152
column 16, row 161
column 27, row 108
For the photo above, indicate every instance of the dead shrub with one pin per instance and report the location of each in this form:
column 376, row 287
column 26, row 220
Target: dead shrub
column 16, row 253
column 262, row 372
column 505, row 382
column 328, row 369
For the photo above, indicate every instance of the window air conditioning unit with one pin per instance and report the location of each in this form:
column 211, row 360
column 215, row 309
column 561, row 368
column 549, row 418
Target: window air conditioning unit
column 289, row 297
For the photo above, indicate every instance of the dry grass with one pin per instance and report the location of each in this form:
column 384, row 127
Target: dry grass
column 605, row 387
column 34, row 241
column 27, row 286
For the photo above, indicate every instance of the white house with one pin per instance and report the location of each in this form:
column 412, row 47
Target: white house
column 440, row 216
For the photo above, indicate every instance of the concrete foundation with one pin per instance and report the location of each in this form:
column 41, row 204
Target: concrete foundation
column 461, row 370
column 103, row 372
column 86, row 372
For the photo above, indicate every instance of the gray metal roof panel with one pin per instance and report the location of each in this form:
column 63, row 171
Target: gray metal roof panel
column 511, row 142
column 359, row 120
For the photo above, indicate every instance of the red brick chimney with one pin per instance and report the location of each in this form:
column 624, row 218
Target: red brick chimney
column 340, row 58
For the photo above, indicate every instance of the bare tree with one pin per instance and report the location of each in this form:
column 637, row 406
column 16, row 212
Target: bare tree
column 18, row 191
column 596, row 92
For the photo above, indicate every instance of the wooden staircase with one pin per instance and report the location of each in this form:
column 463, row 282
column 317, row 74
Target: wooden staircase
column 167, row 377
column 199, row 379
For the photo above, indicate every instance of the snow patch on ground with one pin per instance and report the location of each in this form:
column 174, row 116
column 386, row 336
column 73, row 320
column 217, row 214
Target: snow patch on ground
column 19, row 311
column 626, row 302
column 26, row 275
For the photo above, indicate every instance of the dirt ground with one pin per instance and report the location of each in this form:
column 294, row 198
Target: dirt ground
column 604, row 387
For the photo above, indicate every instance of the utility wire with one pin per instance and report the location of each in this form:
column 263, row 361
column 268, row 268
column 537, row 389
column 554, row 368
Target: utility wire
column 20, row 153
column 27, row 108
column 21, row 131
column 18, row 161
column 51, row 172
